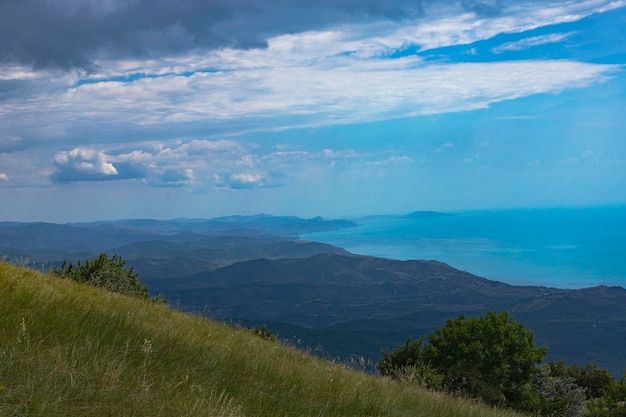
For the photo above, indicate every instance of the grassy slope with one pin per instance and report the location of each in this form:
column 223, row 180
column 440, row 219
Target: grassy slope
column 71, row 350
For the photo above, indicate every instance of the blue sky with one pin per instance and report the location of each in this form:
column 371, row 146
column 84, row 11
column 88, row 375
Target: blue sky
column 190, row 108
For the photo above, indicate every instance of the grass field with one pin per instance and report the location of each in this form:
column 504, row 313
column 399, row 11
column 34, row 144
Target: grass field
column 68, row 349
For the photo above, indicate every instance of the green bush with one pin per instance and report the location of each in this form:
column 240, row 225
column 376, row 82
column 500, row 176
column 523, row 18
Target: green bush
column 491, row 357
column 612, row 403
column 105, row 272
column 404, row 356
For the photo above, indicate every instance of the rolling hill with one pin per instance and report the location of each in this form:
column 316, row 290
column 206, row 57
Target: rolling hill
column 358, row 305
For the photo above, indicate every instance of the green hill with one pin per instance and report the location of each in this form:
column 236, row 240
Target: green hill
column 68, row 349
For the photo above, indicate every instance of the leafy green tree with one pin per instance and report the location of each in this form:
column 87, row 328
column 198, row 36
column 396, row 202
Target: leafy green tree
column 104, row 272
column 491, row 357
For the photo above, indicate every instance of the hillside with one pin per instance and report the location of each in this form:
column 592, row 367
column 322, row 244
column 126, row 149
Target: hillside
column 71, row 349
column 358, row 305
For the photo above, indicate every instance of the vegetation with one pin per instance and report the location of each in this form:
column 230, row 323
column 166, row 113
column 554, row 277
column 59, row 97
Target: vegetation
column 490, row 357
column 103, row 272
column 108, row 273
column 264, row 333
column 71, row 349
column 495, row 359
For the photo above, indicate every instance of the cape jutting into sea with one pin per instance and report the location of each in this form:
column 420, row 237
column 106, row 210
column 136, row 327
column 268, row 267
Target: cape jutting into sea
column 563, row 248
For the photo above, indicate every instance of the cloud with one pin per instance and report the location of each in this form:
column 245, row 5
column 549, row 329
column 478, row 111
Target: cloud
column 159, row 165
column 301, row 78
column 4, row 177
column 530, row 42
column 203, row 164
column 71, row 34
column 289, row 94
column 183, row 69
column 82, row 164
column 245, row 180
column 174, row 178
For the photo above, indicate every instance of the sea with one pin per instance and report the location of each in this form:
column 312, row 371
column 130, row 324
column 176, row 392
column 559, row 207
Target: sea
column 560, row 248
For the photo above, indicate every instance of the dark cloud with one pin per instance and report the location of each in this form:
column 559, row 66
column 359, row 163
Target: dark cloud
column 74, row 34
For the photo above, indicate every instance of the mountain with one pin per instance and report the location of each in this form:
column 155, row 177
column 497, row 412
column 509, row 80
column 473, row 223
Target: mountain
column 69, row 349
column 212, row 242
column 159, row 261
column 373, row 303
column 251, row 269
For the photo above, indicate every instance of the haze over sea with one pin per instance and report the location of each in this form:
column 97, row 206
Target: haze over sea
column 563, row 248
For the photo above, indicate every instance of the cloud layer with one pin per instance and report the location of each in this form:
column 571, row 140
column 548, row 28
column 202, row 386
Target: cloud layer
column 355, row 72
column 192, row 95
column 71, row 34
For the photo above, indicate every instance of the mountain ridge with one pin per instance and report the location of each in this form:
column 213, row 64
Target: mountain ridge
column 351, row 292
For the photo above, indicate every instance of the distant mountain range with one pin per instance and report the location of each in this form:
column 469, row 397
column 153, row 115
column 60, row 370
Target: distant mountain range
column 254, row 269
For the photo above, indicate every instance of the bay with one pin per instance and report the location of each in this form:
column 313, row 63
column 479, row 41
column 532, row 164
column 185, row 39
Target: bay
column 562, row 248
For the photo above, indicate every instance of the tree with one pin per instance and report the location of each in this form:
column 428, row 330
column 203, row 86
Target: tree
column 105, row 272
column 555, row 394
column 491, row 357
column 596, row 381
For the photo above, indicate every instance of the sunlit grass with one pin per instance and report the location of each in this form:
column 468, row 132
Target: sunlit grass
column 68, row 349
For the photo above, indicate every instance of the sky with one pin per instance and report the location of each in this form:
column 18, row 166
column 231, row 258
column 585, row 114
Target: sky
column 201, row 108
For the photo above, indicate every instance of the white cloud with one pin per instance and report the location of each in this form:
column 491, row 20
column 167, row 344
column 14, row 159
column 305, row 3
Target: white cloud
column 173, row 178
column 4, row 177
column 517, row 17
column 246, row 180
column 532, row 41
column 391, row 161
column 199, row 164
column 349, row 91
column 317, row 78
column 81, row 164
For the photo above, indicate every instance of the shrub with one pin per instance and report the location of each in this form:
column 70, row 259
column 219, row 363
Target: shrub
column 105, row 272
column 595, row 380
column 264, row 333
column 556, row 395
column 612, row 403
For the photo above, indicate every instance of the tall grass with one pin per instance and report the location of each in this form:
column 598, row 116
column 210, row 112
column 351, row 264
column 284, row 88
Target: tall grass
column 68, row 349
